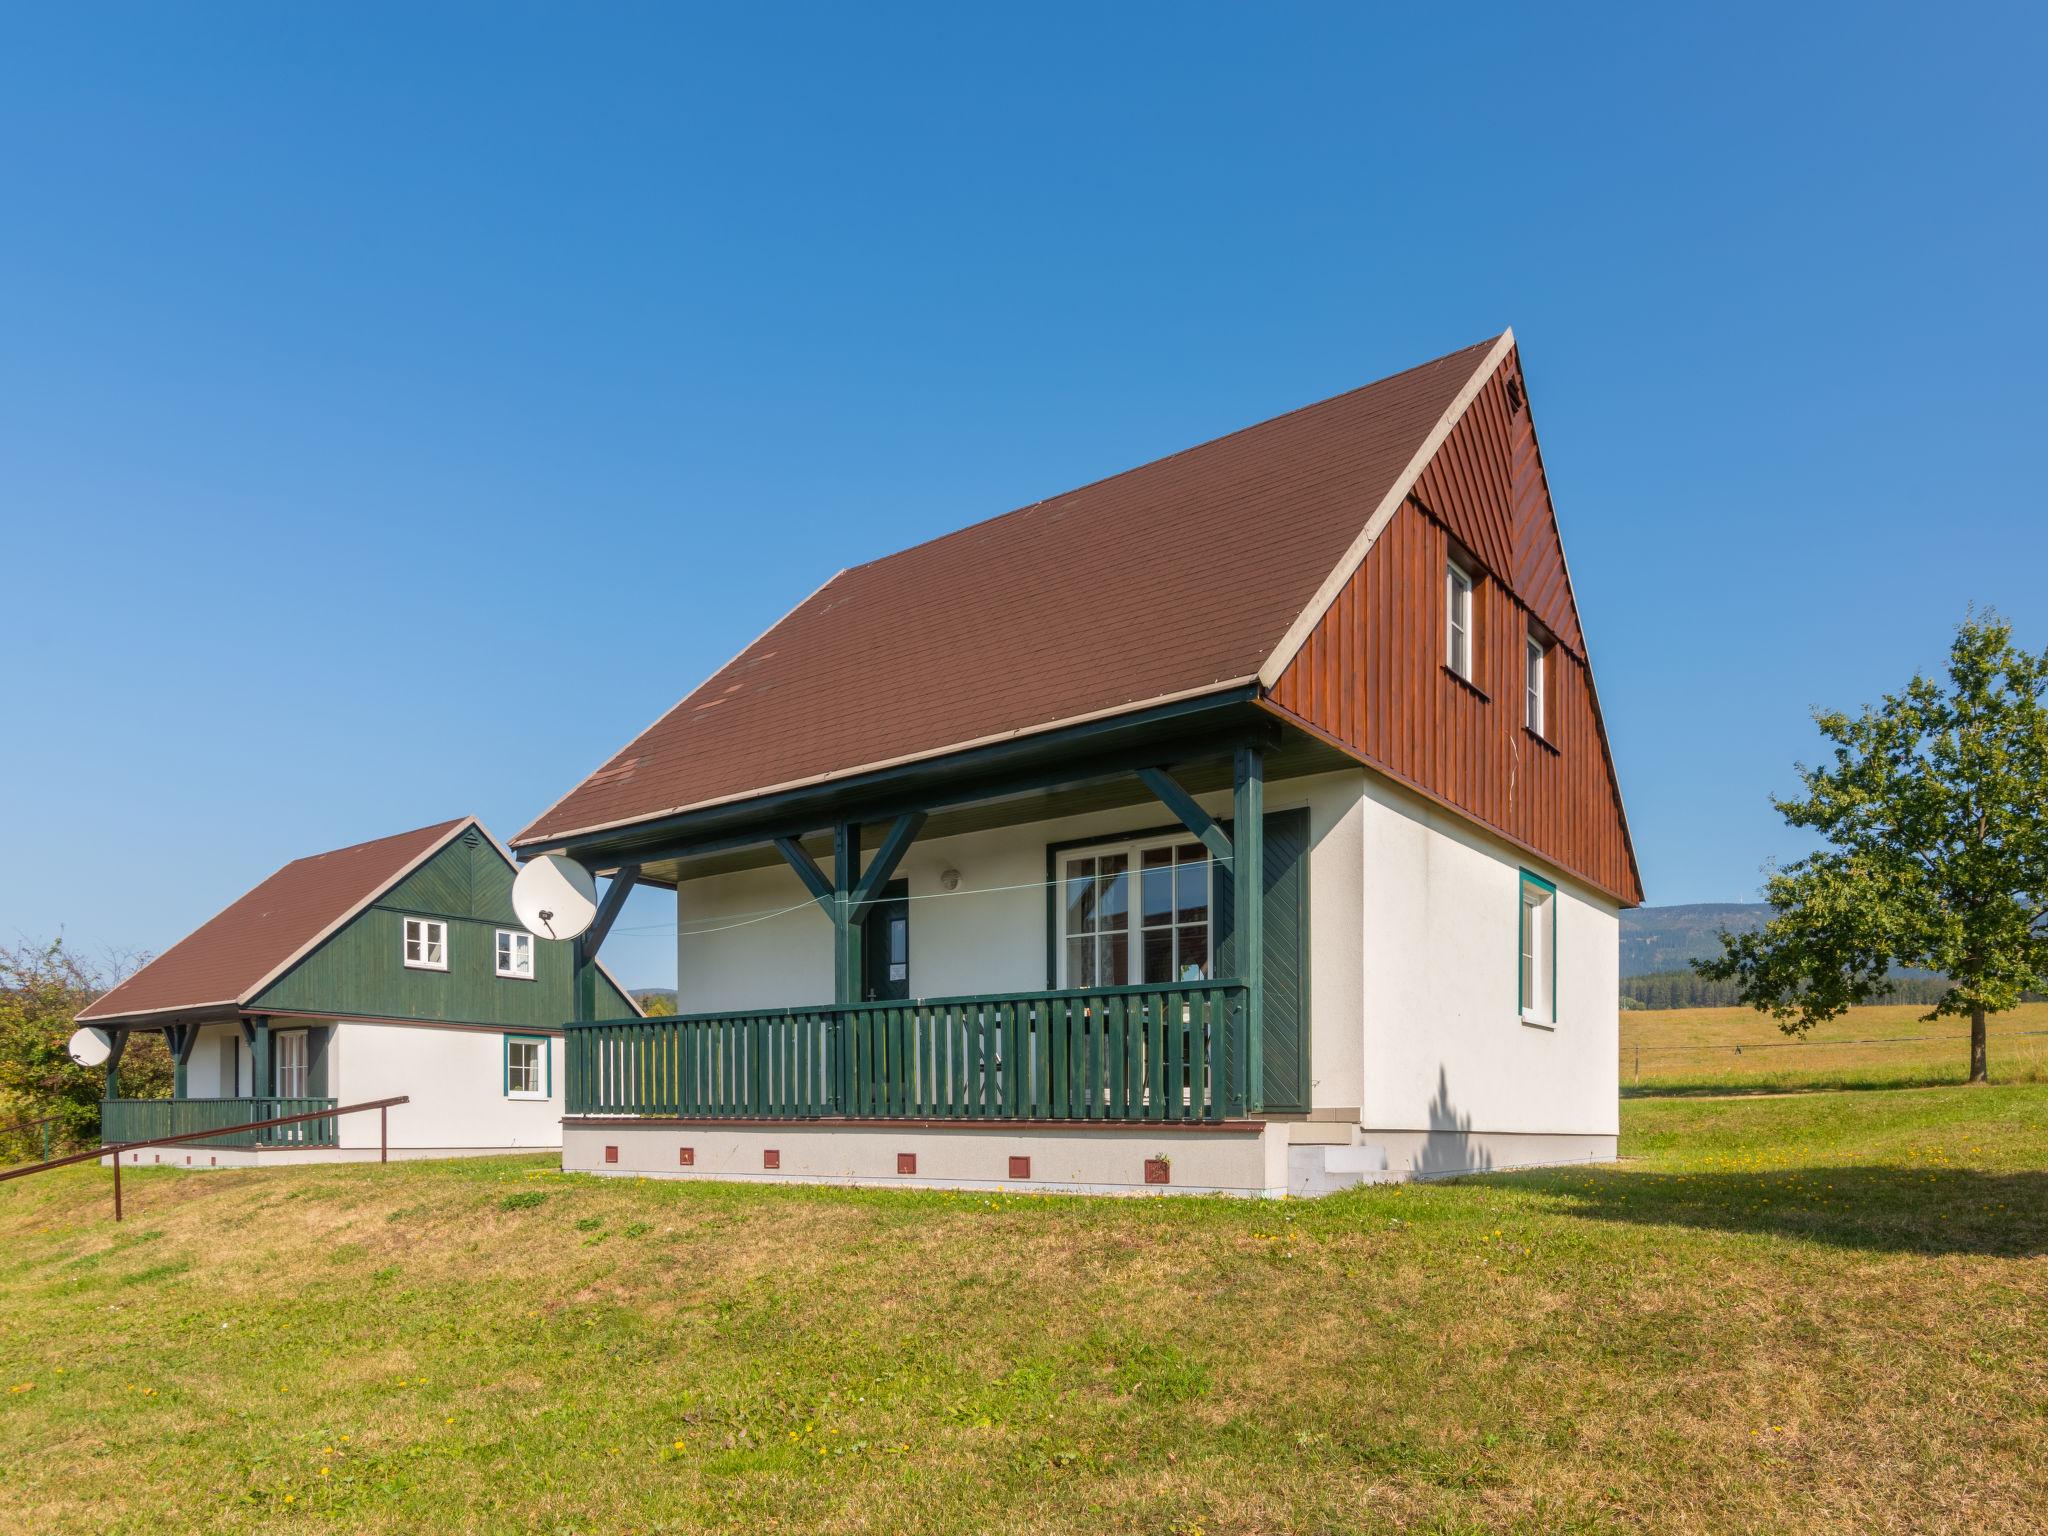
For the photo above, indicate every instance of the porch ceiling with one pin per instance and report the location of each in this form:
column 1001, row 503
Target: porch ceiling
column 1296, row 754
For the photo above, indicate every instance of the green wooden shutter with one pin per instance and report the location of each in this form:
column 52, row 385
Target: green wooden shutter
column 1286, row 873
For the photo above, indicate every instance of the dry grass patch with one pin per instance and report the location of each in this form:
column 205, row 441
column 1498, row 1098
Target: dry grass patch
column 1738, row 1050
column 1819, row 1313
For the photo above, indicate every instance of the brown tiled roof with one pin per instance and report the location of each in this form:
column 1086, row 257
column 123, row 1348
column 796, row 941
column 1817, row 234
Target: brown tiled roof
column 230, row 957
column 1166, row 581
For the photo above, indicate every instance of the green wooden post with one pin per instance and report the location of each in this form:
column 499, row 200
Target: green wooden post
column 845, row 923
column 114, row 1049
column 845, row 951
column 259, row 1056
column 1248, row 865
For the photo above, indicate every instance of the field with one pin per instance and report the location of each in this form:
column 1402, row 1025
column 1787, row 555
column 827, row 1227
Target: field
column 1729, row 1050
column 1822, row 1312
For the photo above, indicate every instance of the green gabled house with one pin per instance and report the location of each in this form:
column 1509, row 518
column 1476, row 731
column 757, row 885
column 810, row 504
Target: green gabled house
column 390, row 967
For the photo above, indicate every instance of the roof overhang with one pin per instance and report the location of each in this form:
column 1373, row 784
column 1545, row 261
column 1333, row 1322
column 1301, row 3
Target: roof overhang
column 1022, row 778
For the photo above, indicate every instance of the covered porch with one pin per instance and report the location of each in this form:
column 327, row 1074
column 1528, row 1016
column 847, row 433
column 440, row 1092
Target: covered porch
column 1130, row 1049
column 227, row 1070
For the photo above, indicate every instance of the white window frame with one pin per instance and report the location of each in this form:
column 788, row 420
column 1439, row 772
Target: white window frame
column 420, row 935
column 1536, row 685
column 541, row 1066
column 1134, row 851
column 293, row 1043
column 1536, row 951
column 509, row 945
column 1461, row 640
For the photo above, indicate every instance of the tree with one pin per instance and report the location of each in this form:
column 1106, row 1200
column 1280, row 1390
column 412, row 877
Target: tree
column 42, row 989
column 1934, row 806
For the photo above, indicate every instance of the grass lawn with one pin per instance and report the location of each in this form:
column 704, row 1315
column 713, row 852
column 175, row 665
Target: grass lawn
column 1736, row 1050
column 1824, row 1312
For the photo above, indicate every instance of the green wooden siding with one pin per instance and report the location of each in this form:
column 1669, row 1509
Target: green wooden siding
column 361, row 971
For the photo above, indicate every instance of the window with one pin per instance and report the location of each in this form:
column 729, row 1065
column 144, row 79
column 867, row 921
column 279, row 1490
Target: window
column 1538, row 950
column 291, row 1064
column 526, row 1067
column 1535, row 666
column 515, row 954
column 426, row 944
column 1134, row 913
column 1458, row 639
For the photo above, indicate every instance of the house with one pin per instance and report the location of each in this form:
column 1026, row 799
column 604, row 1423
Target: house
column 391, row 967
column 1242, row 822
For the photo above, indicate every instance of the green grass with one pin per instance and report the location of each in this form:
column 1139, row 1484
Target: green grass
column 1738, row 1050
column 1816, row 1313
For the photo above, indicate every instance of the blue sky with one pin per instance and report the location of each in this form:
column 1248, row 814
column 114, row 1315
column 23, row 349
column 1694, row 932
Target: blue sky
column 400, row 406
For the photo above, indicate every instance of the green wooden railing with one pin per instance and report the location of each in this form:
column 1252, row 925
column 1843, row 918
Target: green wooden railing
column 140, row 1119
column 1130, row 1054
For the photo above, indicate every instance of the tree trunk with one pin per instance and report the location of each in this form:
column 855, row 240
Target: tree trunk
column 1979, row 1070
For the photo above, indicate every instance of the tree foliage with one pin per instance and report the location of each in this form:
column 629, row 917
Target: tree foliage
column 42, row 989
column 1934, row 809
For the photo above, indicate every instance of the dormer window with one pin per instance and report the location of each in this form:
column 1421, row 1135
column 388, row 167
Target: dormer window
column 1458, row 637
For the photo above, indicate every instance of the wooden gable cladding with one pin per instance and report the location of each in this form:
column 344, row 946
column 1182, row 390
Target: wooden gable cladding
column 1486, row 485
column 1372, row 677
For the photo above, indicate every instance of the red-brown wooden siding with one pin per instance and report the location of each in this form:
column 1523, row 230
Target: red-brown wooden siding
column 1372, row 676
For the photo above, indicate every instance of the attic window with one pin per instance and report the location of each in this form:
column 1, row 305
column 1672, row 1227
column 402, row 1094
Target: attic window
column 426, row 944
column 514, row 952
column 1535, row 680
column 1515, row 396
column 1458, row 636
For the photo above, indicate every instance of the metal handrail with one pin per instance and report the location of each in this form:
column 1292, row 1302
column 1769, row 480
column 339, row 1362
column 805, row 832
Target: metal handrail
column 383, row 1140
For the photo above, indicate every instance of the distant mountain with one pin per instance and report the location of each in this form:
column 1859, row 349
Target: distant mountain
column 1655, row 939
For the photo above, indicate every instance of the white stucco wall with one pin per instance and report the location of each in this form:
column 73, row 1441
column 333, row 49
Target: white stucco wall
column 1445, row 1047
column 456, row 1080
column 990, row 935
column 216, row 1056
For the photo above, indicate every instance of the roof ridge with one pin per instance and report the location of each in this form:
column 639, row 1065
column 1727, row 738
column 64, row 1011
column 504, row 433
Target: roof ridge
column 370, row 842
column 1166, row 458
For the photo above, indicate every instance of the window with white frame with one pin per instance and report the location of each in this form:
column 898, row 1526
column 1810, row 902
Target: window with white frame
column 526, row 1067
column 1535, row 669
column 1538, row 950
column 1134, row 913
column 291, row 1064
column 515, row 954
column 1458, row 637
column 426, row 944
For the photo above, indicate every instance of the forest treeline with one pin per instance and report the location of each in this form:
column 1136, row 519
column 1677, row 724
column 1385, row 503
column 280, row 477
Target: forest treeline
column 1687, row 989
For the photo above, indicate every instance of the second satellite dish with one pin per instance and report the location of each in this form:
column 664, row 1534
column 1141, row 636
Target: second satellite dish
column 90, row 1047
column 555, row 897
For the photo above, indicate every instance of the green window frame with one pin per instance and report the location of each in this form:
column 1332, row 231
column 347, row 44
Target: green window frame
column 1535, row 896
column 546, row 1064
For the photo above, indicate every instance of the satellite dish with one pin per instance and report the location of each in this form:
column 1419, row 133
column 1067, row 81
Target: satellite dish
column 90, row 1047
column 555, row 897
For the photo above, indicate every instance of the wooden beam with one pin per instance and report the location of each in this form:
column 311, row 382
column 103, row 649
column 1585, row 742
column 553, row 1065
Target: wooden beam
column 623, row 880
column 1190, row 815
column 814, row 879
column 902, row 833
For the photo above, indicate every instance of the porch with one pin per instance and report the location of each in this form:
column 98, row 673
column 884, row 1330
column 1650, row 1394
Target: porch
column 216, row 1063
column 1062, row 955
